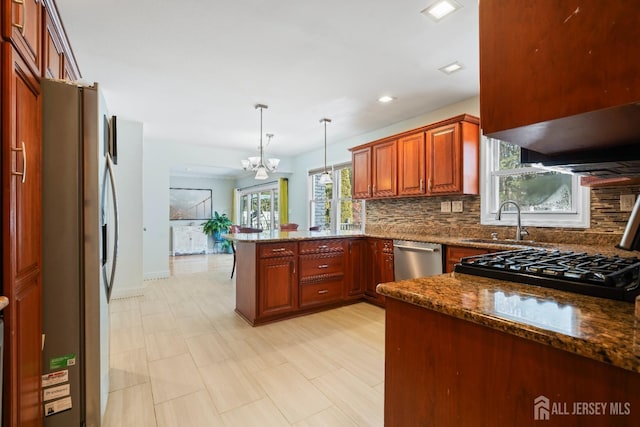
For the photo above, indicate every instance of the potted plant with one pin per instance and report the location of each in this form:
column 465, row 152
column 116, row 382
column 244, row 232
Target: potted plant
column 216, row 225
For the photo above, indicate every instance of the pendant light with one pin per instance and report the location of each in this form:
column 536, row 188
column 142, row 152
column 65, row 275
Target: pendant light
column 257, row 163
column 325, row 177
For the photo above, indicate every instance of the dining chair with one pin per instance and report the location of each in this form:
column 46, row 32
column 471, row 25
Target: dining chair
column 238, row 229
column 288, row 227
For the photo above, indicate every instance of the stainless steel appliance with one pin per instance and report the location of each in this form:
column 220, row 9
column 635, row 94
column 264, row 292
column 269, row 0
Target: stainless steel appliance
column 596, row 275
column 79, row 251
column 416, row 259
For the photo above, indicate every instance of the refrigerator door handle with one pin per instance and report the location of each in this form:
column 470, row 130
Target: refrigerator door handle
column 114, row 194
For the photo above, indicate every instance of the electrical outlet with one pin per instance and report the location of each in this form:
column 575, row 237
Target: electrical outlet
column 456, row 206
column 626, row 202
column 445, row 206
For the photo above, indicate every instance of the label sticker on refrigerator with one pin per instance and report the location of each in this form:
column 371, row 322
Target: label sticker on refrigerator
column 56, row 406
column 55, row 392
column 54, row 378
column 62, row 361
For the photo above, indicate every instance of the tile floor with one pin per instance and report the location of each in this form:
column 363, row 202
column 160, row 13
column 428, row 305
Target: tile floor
column 180, row 356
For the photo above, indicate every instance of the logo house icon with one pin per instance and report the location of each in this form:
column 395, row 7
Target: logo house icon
column 541, row 408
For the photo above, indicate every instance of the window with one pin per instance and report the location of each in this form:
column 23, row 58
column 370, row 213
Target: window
column 331, row 206
column 547, row 198
column 258, row 207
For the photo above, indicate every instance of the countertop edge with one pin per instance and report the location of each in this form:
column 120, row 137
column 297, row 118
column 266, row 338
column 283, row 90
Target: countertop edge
column 580, row 346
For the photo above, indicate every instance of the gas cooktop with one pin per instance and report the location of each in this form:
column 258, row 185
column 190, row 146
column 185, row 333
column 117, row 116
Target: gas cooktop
column 588, row 274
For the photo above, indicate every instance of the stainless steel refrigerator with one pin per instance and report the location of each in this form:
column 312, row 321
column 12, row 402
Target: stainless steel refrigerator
column 79, row 252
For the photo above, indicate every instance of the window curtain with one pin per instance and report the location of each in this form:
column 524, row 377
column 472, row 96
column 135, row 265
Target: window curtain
column 284, row 201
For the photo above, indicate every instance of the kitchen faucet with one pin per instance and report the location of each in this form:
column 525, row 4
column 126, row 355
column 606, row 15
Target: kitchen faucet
column 520, row 231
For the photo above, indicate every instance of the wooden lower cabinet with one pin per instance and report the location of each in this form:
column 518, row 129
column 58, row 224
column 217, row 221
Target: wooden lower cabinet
column 381, row 268
column 278, row 290
column 358, row 268
column 445, row 371
column 453, row 255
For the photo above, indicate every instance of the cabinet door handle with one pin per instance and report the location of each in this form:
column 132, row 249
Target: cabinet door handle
column 323, row 291
column 23, row 174
column 374, row 188
column 429, row 185
column 323, row 246
column 421, row 184
column 369, row 189
column 24, row 16
column 323, row 266
column 293, row 267
column 278, row 250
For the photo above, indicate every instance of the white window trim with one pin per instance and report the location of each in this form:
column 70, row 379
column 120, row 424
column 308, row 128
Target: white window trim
column 581, row 218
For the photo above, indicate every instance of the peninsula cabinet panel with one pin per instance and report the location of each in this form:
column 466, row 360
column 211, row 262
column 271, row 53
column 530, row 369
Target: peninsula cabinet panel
column 277, row 286
column 445, row 371
column 548, row 69
column 21, row 241
column 411, row 165
column 358, row 268
column 384, row 182
column 361, row 164
column 22, row 24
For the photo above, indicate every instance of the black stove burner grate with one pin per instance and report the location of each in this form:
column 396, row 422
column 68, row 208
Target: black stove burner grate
column 597, row 275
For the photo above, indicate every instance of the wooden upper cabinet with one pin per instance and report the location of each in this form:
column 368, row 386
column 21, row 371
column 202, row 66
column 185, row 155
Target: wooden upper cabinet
column 383, row 181
column 22, row 24
column 560, row 76
column 453, row 158
column 411, row 164
column 361, row 164
column 58, row 60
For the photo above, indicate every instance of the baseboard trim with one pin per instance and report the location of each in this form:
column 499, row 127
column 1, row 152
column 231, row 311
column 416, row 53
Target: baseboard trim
column 138, row 291
column 153, row 275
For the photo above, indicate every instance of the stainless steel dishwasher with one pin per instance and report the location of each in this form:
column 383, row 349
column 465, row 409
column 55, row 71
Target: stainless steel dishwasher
column 416, row 259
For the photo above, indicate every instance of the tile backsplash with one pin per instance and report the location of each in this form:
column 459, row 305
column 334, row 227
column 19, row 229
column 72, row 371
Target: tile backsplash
column 422, row 215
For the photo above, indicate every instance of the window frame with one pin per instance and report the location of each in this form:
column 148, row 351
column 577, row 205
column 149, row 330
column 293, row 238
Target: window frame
column 580, row 217
column 336, row 200
column 273, row 188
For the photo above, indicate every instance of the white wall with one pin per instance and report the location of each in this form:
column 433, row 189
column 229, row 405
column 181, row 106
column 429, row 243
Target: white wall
column 221, row 197
column 128, row 278
column 158, row 158
column 338, row 152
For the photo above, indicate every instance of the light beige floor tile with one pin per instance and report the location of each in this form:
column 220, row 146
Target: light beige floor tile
column 194, row 325
column 123, row 340
column 192, row 410
column 130, row 407
column 124, row 304
column 261, row 413
column 332, row 416
column 293, row 394
column 174, row 377
column 153, row 323
column 158, row 305
column 361, row 360
column 268, row 352
column 356, row 399
column 208, row 348
column 244, row 354
column 128, row 369
column 308, row 360
column 230, row 385
column 125, row 319
column 379, row 388
column 165, row 344
column 185, row 308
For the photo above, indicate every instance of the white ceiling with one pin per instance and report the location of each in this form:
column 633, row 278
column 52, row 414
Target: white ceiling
column 192, row 70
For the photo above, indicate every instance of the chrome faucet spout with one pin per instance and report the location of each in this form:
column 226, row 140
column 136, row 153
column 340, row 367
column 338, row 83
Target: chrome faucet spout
column 518, row 221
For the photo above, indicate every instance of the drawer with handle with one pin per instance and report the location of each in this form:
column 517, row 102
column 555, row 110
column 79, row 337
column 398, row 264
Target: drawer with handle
column 321, row 265
column 270, row 250
column 321, row 246
column 321, row 293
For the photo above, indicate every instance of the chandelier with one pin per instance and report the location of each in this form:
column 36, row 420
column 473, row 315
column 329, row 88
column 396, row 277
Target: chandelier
column 256, row 163
column 325, row 177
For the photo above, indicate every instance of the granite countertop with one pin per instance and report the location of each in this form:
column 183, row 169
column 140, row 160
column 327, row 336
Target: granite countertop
column 277, row 235
column 600, row 329
column 4, row 301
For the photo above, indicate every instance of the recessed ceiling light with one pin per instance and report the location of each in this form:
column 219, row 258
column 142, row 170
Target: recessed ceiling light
column 440, row 9
column 451, row 68
column 386, row 98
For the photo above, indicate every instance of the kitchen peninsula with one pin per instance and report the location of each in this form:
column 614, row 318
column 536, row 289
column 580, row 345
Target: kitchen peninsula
column 284, row 274
column 466, row 350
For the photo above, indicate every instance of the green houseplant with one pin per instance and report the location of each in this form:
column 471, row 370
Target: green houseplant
column 216, row 225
